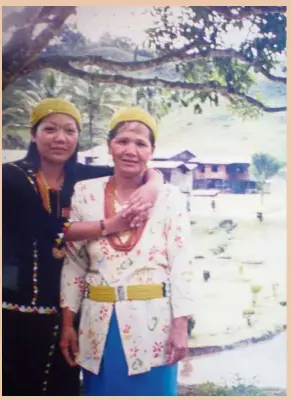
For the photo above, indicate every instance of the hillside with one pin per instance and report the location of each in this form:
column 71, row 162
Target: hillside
column 219, row 131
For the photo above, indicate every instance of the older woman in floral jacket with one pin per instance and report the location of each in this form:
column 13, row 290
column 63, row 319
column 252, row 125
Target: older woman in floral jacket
column 135, row 290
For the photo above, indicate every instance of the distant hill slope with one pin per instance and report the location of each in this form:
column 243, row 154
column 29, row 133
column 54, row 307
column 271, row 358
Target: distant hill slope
column 219, row 131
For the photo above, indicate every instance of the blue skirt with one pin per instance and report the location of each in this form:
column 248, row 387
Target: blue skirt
column 113, row 378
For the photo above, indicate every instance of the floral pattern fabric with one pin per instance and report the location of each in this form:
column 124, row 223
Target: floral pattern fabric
column 163, row 254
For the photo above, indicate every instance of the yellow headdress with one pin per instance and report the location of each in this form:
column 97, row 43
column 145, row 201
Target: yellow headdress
column 54, row 105
column 134, row 114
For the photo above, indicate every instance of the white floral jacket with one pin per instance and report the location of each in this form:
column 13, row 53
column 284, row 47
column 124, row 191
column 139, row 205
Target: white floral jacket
column 163, row 254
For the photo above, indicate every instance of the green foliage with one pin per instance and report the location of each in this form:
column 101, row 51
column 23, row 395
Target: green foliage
column 158, row 102
column 206, row 29
column 239, row 389
column 264, row 166
column 243, row 109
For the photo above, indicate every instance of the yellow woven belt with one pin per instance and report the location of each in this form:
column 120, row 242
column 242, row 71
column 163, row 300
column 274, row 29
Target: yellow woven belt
column 109, row 294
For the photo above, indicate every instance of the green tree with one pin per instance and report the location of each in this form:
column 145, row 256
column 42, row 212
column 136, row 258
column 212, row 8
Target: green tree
column 264, row 166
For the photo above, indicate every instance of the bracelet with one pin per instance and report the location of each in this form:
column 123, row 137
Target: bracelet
column 103, row 229
column 66, row 226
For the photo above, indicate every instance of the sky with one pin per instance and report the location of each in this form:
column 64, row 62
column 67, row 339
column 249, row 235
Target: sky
column 118, row 21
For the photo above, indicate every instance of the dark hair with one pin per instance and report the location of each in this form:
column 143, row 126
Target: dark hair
column 33, row 158
column 112, row 134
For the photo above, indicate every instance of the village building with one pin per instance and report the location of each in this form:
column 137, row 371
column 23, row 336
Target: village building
column 228, row 174
column 180, row 167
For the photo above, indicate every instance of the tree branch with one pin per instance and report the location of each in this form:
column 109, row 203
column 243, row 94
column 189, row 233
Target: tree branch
column 50, row 32
column 207, row 87
column 247, row 11
column 19, row 18
column 177, row 56
column 20, row 52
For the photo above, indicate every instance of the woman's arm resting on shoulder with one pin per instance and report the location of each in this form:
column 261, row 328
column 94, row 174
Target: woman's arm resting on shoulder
column 137, row 212
column 91, row 230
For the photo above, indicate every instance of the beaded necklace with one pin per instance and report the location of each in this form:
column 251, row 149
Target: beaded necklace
column 133, row 236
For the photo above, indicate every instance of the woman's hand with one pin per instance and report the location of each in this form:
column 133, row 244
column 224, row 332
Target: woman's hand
column 118, row 223
column 137, row 213
column 128, row 219
column 69, row 344
column 178, row 340
column 143, row 199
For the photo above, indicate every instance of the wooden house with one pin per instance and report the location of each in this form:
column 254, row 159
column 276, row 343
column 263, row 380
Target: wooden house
column 226, row 174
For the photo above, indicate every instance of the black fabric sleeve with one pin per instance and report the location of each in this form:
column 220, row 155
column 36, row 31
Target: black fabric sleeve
column 84, row 172
column 22, row 208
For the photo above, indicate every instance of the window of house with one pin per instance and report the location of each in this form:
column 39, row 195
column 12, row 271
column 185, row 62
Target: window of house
column 214, row 168
column 240, row 170
column 202, row 168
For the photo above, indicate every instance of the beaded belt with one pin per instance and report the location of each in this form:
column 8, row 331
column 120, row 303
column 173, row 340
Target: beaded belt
column 110, row 294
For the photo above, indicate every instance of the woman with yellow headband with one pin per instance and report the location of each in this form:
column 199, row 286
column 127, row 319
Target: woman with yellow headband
column 36, row 201
column 135, row 289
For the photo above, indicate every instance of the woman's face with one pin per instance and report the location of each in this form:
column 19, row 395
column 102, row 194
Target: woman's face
column 56, row 138
column 131, row 149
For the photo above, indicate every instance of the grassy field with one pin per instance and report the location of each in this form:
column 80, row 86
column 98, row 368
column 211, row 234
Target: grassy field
column 238, row 254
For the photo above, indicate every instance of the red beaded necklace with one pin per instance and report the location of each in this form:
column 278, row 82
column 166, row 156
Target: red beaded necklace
column 115, row 241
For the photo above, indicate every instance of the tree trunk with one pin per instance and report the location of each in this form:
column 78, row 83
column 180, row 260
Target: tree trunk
column 91, row 116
